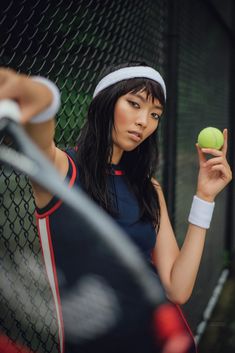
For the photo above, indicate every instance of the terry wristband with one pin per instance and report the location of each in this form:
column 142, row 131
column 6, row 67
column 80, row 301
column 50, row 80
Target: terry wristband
column 51, row 111
column 201, row 212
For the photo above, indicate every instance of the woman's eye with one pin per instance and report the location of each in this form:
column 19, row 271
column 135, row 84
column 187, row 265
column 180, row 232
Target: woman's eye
column 156, row 116
column 134, row 104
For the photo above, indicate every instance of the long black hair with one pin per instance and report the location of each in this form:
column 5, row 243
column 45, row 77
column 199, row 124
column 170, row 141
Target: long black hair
column 94, row 152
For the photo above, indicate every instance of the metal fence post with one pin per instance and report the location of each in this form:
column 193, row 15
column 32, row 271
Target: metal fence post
column 171, row 109
column 230, row 223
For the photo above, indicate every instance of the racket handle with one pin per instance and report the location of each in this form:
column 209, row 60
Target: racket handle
column 10, row 109
column 171, row 332
column 8, row 346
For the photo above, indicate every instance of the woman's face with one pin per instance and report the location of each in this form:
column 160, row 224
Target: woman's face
column 136, row 117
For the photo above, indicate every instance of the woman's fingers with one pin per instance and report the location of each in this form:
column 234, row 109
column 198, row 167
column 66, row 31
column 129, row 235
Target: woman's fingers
column 214, row 161
column 201, row 156
column 32, row 96
column 225, row 172
column 212, row 151
column 218, row 163
column 225, row 145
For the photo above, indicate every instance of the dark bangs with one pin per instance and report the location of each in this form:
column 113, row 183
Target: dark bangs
column 152, row 88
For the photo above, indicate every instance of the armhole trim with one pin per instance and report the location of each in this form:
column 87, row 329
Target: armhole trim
column 59, row 202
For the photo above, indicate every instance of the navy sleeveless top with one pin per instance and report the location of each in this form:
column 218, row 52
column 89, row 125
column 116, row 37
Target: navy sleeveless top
column 53, row 222
column 142, row 233
column 54, row 219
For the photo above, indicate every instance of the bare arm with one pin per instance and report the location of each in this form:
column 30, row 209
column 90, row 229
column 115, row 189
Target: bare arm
column 178, row 268
column 43, row 135
column 33, row 97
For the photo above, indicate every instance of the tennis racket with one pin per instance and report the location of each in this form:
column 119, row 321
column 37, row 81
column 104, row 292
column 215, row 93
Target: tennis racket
column 109, row 299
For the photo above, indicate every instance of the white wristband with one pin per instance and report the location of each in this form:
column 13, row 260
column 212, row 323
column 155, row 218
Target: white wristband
column 51, row 111
column 201, row 212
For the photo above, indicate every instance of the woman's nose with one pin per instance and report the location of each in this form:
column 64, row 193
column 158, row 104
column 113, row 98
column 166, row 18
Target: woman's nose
column 142, row 120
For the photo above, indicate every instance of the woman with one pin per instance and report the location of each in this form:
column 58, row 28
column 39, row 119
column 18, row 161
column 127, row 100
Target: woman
column 115, row 162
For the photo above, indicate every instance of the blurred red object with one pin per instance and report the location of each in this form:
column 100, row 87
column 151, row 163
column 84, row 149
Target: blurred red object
column 8, row 346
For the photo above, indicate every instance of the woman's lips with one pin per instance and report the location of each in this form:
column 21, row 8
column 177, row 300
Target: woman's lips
column 135, row 135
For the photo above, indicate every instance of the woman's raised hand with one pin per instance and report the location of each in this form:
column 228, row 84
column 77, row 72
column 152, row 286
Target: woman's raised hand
column 214, row 173
column 32, row 97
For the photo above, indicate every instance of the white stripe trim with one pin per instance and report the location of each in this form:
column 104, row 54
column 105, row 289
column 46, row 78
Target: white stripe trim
column 50, row 273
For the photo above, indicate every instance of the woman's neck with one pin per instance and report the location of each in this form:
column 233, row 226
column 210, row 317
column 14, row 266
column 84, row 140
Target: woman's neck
column 117, row 155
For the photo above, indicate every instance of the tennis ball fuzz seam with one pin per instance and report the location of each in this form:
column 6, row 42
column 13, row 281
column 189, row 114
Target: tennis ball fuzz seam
column 210, row 137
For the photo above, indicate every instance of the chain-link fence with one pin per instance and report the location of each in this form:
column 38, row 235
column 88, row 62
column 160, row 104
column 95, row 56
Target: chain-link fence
column 70, row 42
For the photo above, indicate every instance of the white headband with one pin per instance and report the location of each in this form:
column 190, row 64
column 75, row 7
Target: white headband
column 130, row 72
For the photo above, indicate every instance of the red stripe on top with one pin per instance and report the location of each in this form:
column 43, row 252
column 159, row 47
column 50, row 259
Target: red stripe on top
column 8, row 346
column 118, row 172
column 170, row 326
column 59, row 202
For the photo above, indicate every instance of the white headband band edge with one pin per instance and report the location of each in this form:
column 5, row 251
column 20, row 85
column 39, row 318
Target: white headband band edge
column 127, row 73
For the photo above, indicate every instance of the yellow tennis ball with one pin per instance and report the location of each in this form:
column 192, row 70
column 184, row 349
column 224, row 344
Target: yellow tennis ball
column 210, row 137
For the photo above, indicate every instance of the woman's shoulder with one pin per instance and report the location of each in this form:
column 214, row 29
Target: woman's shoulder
column 156, row 183
column 159, row 191
column 73, row 170
column 46, row 202
column 71, row 152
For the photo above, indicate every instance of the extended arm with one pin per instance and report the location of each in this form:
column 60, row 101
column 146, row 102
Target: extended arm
column 34, row 97
column 178, row 268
